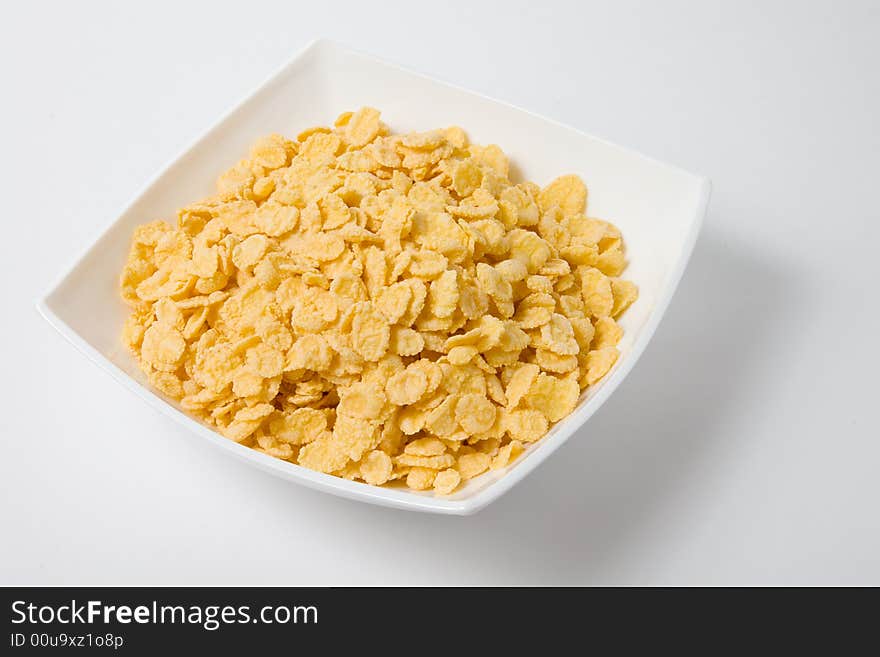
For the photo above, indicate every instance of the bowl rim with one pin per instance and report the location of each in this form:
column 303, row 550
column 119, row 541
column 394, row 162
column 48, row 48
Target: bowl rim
column 389, row 497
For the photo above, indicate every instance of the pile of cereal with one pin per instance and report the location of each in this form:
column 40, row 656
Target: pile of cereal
column 377, row 306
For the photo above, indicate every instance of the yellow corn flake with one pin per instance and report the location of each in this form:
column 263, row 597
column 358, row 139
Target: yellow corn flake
column 265, row 361
column 507, row 455
column 362, row 127
column 412, row 420
column 320, row 148
column 492, row 157
column 375, row 270
column 443, row 294
column 205, row 260
column 427, row 264
column 552, row 396
column 309, row 352
column 462, row 355
column 466, row 177
column 611, row 262
column 463, row 379
column 420, row 478
column 334, row 212
column 272, row 152
column 167, row 383
column 162, row 347
column 417, row 303
column 538, row 283
column 370, row 333
column 583, row 332
column 376, row 468
column 529, row 248
column 433, row 462
column 384, row 151
column 406, row 387
column 361, row 400
column 534, row 310
column 425, row 447
column 276, row 220
column 342, row 120
column 489, row 445
column 250, row 251
column 473, row 302
column 513, row 339
column 471, row 465
column 394, row 300
column 526, row 425
column 237, row 180
column 434, row 341
column 557, row 336
column 133, row 332
column 433, row 372
column 555, row 267
column 553, row 362
column 474, row 413
column 355, row 436
column 405, row 341
column 480, row 205
column 303, row 425
column 596, row 291
column 607, row 333
column 512, row 270
column 568, row 193
column 580, row 254
column 463, row 339
column 439, row 232
column 247, row 384
column 456, row 136
column 347, row 288
column 441, row 421
column 239, row 430
column 324, row 246
column 254, row 413
column 625, row 293
column 598, row 363
column 446, row 481
column 378, row 307
column 495, row 390
column 323, row 456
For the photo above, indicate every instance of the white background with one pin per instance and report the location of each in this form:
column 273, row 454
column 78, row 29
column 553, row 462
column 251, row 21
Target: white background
column 743, row 448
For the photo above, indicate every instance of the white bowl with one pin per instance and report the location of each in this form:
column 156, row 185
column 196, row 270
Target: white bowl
column 658, row 207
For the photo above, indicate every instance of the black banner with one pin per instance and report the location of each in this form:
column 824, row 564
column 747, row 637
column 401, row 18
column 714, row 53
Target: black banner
column 146, row 620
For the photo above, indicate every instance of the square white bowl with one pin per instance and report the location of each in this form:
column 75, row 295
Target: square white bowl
column 658, row 207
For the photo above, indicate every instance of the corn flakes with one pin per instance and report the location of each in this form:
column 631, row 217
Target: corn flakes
column 446, row 481
column 376, row 468
column 385, row 308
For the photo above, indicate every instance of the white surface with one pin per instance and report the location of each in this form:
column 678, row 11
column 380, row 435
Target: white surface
column 661, row 224
column 743, row 448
